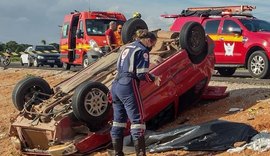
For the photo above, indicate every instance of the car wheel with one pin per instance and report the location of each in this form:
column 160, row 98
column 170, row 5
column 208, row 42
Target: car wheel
column 258, row 65
column 90, row 104
column 36, row 63
column 85, row 61
column 6, row 61
column 226, row 71
column 66, row 66
column 51, row 65
column 22, row 62
column 193, row 40
column 130, row 27
column 27, row 88
column 60, row 65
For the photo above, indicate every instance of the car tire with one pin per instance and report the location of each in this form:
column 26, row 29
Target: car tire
column 25, row 89
column 258, row 65
column 6, row 61
column 66, row 66
column 85, row 61
column 36, row 63
column 22, row 64
column 226, row 71
column 193, row 40
column 130, row 27
column 90, row 104
column 60, row 65
column 51, row 65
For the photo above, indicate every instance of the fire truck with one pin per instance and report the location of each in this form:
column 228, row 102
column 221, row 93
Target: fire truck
column 241, row 40
column 83, row 36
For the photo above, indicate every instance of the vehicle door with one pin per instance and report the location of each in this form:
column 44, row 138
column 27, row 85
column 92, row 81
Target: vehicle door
column 212, row 27
column 231, row 43
column 82, row 46
column 68, row 38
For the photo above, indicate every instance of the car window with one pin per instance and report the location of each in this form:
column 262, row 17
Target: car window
column 256, row 25
column 65, row 30
column 98, row 27
column 43, row 48
column 211, row 27
column 229, row 24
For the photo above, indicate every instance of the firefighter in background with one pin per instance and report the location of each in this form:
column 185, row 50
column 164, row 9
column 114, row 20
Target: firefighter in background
column 118, row 37
column 132, row 67
column 110, row 37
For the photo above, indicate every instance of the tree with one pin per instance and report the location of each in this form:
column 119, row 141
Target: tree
column 11, row 46
column 2, row 47
column 43, row 42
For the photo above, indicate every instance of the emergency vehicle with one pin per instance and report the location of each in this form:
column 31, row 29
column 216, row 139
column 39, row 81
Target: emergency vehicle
column 83, row 36
column 241, row 40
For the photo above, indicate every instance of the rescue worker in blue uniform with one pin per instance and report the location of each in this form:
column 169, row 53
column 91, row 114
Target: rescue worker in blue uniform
column 132, row 67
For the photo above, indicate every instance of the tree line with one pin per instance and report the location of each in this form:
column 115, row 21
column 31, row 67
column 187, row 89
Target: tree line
column 13, row 46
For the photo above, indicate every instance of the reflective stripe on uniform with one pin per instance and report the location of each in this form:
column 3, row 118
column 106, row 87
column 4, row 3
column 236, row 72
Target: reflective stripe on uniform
column 118, row 124
column 138, row 126
column 131, row 62
column 142, row 70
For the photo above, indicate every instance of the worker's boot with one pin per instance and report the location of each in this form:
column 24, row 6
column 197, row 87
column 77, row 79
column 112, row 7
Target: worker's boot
column 139, row 145
column 118, row 147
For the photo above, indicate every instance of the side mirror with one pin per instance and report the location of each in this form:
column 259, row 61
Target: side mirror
column 79, row 34
column 237, row 31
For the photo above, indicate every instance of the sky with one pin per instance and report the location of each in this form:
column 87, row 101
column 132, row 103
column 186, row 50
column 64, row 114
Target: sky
column 30, row 21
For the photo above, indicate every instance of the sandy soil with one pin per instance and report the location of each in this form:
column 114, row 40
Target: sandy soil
column 254, row 100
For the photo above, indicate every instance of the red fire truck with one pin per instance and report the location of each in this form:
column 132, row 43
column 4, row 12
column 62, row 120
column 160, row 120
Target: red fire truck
column 83, row 36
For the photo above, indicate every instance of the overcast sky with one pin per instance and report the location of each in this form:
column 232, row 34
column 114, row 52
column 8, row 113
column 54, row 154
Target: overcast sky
column 30, row 21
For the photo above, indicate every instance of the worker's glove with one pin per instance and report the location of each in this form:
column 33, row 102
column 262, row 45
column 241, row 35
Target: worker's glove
column 157, row 80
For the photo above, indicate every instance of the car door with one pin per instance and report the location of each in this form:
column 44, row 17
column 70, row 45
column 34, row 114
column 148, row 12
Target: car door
column 212, row 27
column 231, row 44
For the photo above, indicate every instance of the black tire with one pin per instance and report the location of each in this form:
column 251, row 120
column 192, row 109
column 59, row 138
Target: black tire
column 22, row 62
column 226, row 71
column 25, row 89
column 36, row 63
column 85, row 61
column 258, row 65
column 95, row 112
column 6, row 61
column 193, row 40
column 130, row 27
column 51, row 65
column 66, row 66
column 60, row 65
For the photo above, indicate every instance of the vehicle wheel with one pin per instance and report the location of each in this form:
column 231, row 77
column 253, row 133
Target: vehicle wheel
column 29, row 64
column 130, row 27
column 193, row 40
column 25, row 90
column 22, row 62
column 51, row 65
column 36, row 63
column 60, row 65
column 85, row 61
column 90, row 104
column 226, row 71
column 66, row 66
column 258, row 65
column 6, row 61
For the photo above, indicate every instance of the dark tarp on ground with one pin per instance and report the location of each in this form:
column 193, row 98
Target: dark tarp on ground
column 214, row 135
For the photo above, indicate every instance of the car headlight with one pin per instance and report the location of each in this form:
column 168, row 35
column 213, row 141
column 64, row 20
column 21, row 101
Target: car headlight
column 40, row 57
column 93, row 44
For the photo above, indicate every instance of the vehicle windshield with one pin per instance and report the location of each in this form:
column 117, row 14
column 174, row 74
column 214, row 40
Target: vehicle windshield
column 44, row 48
column 256, row 25
column 98, row 26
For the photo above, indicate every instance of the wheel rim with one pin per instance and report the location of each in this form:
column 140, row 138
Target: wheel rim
column 196, row 38
column 96, row 102
column 6, row 61
column 257, row 65
column 85, row 62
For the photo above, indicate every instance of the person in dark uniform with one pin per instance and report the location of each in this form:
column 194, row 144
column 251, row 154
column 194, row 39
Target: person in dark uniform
column 132, row 67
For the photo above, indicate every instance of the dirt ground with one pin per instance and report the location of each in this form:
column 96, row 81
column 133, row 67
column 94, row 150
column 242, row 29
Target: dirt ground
column 254, row 99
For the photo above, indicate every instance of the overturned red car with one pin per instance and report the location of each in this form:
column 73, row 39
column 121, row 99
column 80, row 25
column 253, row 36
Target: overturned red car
column 75, row 115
